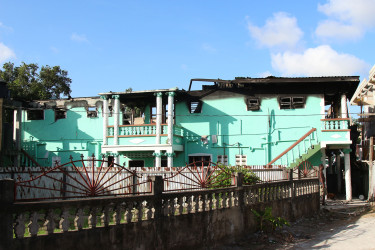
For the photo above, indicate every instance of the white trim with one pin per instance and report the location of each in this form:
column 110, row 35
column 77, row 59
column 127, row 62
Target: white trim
column 151, row 147
column 324, row 144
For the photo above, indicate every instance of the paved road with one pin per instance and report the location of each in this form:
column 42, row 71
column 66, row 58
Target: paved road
column 356, row 234
column 339, row 225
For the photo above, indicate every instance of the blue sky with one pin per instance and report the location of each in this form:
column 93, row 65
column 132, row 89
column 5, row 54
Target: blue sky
column 114, row 45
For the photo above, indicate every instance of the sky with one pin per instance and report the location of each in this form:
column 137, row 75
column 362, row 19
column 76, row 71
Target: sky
column 116, row 45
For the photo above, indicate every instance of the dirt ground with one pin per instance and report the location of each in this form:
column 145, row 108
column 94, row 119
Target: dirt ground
column 339, row 225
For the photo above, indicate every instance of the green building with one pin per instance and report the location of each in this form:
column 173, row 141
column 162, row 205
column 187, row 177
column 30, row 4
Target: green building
column 245, row 121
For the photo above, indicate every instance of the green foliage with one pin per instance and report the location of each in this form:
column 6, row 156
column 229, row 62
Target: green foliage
column 27, row 82
column 224, row 179
column 266, row 218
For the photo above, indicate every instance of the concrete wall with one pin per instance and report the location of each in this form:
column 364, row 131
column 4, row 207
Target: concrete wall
column 188, row 231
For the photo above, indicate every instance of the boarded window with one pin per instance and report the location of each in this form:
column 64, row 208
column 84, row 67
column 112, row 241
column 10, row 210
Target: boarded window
column 241, row 160
column 35, row 114
column 60, row 114
column 253, row 104
column 195, row 107
column 223, row 159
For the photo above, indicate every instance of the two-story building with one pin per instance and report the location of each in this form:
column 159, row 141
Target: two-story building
column 245, row 121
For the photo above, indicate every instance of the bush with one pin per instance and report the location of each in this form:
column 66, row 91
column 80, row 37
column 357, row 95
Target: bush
column 224, row 179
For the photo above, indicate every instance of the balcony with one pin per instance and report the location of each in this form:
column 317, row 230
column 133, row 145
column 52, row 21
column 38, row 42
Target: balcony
column 335, row 131
column 143, row 137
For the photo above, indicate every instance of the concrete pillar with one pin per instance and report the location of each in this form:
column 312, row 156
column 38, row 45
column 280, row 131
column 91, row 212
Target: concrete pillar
column 159, row 113
column 105, row 119
column 157, row 155
column 348, row 175
column 116, row 118
column 344, row 107
column 6, row 216
column 338, row 171
column 371, row 171
column 170, row 116
column 157, row 191
column 323, row 160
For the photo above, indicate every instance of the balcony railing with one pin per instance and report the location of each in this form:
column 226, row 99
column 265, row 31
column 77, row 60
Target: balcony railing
column 335, row 124
column 142, row 130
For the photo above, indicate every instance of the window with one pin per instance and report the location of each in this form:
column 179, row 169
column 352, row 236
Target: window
column 294, row 102
column 164, row 162
column 111, row 160
column 253, row 104
column 163, row 112
column 241, row 160
column 195, row 107
column 35, row 114
column 136, row 163
column 195, row 158
column 223, row 159
column 60, row 114
column 92, row 112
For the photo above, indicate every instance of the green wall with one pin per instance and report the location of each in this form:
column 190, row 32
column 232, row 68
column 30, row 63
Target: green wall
column 75, row 135
column 260, row 135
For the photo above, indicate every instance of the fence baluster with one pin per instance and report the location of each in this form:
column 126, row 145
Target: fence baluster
column 50, row 221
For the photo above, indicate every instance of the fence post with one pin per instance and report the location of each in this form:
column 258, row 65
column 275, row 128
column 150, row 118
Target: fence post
column 241, row 196
column 6, row 218
column 292, row 191
column 157, row 191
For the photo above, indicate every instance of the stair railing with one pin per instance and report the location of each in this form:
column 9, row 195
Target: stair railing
column 290, row 149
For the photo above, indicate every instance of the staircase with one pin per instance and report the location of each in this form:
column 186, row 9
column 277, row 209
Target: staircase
column 301, row 150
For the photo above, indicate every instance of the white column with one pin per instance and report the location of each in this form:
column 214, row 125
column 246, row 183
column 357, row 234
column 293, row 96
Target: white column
column 344, row 107
column 116, row 115
column 170, row 117
column 105, row 119
column 170, row 156
column 116, row 158
column 157, row 155
column 159, row 113
column 348, row 175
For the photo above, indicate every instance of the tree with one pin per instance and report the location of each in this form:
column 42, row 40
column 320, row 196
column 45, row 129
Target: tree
column 27, row 82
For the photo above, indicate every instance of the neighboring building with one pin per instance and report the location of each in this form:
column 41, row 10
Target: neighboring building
column 364, row 97
column 245, row 121
column 9, row 127
column 54, row 130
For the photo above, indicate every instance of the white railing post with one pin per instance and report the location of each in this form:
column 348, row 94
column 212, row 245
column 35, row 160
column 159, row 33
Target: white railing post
column 116, row 116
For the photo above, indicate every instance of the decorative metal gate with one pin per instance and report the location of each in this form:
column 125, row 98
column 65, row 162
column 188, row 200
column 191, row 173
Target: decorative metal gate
column 80, row 179
column 199, row 175
column 305, row 170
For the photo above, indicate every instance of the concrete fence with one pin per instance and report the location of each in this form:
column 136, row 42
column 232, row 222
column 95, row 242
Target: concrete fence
column 117, row 180
column 159, row 220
